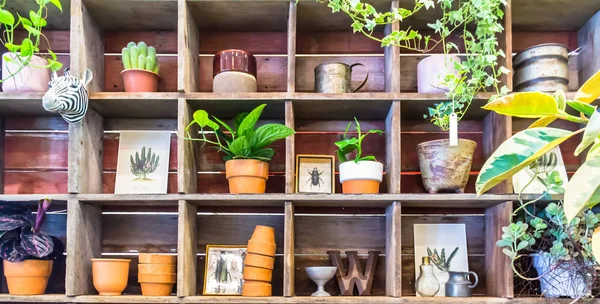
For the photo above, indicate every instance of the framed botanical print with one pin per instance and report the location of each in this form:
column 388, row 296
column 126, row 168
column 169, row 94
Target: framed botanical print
column 224, row 270
column 315, row 174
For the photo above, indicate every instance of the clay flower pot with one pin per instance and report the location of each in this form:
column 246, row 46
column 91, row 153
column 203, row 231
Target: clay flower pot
column 263, row 234
column 29, row 277
column 262, row 241
column 28, row 79
column 157, row 284
column 260, row 261
column 136, row 80
column 247, row 175
column 157, row 268
column 362, row 177
column 445, row 168
column 157, row 258
column 110, row 276
column 256, row 289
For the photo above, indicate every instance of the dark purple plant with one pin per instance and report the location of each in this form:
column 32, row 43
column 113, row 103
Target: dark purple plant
column 20, row 235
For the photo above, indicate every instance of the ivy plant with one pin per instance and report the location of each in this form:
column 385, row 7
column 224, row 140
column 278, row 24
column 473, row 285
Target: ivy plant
column 354, row 144
column 242, row 141
column 33, row 24
column 477, row 21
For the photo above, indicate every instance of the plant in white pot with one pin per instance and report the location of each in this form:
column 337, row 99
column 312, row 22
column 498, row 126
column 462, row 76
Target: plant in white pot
column 23, row 69
column 363, row 174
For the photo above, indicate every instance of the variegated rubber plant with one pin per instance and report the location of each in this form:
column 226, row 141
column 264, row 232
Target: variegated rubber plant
column 525, row 147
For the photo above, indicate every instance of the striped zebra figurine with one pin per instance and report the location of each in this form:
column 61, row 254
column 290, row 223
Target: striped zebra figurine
column 68, row 96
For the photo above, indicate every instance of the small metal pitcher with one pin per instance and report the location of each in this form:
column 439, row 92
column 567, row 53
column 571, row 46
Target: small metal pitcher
column 459, row 285
column 336, row 77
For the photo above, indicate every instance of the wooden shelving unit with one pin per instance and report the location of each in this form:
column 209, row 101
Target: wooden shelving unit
column 75, row 165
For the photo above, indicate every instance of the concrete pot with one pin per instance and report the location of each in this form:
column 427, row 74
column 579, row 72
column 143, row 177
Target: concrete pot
column 445, row 168
column 28, row 79
column 362, row 177
column 29, row 277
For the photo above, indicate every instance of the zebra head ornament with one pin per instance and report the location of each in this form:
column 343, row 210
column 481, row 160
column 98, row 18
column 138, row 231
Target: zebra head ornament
column 68, row 96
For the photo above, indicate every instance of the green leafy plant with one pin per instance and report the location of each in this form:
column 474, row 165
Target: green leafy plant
column 439, row 259
column 354, row 144
column 145, row 164
column 242, row 141
column 22, row 53
column 479, row 23
column 139, row 56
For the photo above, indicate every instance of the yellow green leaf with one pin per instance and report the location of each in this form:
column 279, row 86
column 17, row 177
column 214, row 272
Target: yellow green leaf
column 592, row 131
column 590, row 90
column 542, row 122
column 596, row 245
column 594, row 150
column 583, row 189
column 525, row 105
column 518, row 152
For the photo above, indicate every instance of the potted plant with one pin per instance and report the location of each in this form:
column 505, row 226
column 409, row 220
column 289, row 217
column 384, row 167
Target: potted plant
column 245, row 147
column 28, row 252
column 478, row 70
column 363, row 174
column 141, row 69
column 26, row 71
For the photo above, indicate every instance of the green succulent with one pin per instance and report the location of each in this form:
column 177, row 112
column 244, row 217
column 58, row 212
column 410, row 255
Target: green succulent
column 145, row 164
column 140, row 56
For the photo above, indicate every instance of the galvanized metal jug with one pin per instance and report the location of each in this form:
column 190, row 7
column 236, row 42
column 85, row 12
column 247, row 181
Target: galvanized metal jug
column 458, row 285
column 336, row 77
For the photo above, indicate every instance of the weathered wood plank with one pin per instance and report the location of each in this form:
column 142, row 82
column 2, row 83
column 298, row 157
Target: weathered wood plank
column 187, row 150
column 188, row 49
column 288, row 251
column 87, row 45
column 505, row 42
column 291, row 48
column 496, row 129
column 84, row 232
column 392, row 57
column 130, row 232
column 393, row 249
column 85, row 154
column 393, row 149
column 589, row 41
column 498, row 273
column 186, row 250
column 290, row 150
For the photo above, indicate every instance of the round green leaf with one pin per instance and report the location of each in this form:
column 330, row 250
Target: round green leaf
column 6, row 17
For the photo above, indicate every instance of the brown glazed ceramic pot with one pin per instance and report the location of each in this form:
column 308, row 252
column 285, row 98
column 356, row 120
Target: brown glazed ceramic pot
column 29, row 277
column 445, row 168
column 234, row 71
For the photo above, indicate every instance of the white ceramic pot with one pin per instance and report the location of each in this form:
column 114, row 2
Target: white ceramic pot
column 28, row 79
column 431, row 72
column 363, row 170
column 565, row 280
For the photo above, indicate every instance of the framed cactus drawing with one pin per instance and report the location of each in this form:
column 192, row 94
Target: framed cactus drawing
column 143, row 162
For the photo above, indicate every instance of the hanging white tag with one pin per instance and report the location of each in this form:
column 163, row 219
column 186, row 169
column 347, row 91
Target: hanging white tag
column 453, row 129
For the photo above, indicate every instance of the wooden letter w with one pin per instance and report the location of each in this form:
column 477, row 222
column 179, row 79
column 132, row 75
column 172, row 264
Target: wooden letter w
column 354, row 275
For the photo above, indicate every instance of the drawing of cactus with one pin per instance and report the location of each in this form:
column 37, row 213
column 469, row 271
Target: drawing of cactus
column 144, row 165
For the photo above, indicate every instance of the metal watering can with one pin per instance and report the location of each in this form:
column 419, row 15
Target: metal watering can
column 459, row 285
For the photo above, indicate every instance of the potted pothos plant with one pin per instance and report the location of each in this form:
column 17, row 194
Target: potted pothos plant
column 246, row 148
column 28, row 252
column 361, row 173
column 23, row 69
column 526, row 147
column 478, row 71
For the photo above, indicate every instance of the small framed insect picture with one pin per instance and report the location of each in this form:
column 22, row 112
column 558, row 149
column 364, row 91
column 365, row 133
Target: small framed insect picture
column 224, row 270
column 315, row 174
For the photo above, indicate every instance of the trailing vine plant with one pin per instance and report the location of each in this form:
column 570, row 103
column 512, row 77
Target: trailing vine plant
column 33, row 24
column 477, row 21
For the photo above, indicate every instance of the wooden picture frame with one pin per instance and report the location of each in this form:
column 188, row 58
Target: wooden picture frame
column 236, row 263
column 304, row 175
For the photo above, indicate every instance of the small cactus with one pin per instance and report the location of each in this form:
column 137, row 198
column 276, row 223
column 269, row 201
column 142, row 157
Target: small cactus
column 440, row 261
column 140, row 56
column 144, row 165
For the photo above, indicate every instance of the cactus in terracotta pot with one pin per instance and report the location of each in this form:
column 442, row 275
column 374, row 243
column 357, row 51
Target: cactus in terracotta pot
column 141, row 67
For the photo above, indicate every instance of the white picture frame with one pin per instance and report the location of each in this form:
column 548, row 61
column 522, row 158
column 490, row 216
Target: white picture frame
column 522, row 178
column 143, row 175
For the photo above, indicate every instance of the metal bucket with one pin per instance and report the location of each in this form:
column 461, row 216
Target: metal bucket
column 543, row 68
column 336, row 77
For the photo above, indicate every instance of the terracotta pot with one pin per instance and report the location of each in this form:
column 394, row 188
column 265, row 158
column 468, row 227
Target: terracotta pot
column 259, row 261
column 157, row 289
column 445, row 168
column 256, row 289
column 247, row 175
column 362, row 177
column 157, row 268
column 263, row 234
column 157, row 258
column 170, row 278
column 261, row 248
column 257, row 274
column 29, row 277
column 28, row 79
column 110, row 276
column 136, row 80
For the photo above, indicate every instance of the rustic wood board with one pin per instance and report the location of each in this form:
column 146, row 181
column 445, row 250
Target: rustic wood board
column 234, row 15
column 552, row 15
column 152, row 15
column 124, row 233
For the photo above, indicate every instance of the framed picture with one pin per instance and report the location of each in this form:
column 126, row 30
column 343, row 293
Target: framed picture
column 315, row 174
column 224, row 270
column 549, row 162
column 143, row 162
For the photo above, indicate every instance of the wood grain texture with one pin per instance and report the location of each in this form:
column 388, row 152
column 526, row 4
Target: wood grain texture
column 393, row 249
column 552, row 15
column 589, row 41
column 87, row 45
column 499, row 275
column 393, row 160
column 188, row 50
column 505, row 42
column 290, row 150
column 288, row 251
column 291, row 48
column 84, row 232
column 85, row 154
column 133, row 232
column 392, row 57
column 525, row 39
column 496, row 129
column 132, row 15
column 187, row 150
column 186, row 249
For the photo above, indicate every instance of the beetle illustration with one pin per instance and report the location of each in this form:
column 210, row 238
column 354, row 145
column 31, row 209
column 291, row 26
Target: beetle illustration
column 315, row 178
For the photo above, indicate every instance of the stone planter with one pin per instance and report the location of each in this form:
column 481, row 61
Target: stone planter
column 445, row 168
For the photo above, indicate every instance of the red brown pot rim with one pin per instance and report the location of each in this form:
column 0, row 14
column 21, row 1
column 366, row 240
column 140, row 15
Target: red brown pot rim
column 140, row 70
column 220, row 66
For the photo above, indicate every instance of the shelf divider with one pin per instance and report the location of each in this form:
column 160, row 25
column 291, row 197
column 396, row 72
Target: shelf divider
column 187, row 174
column 290, row 150
column 187, row 249
column 392, row 153
column 86, row 154
column 288, row 251
column 291, row 47
column 87, row 45
column 188, row 50
column 392, row 57
column 393, row 250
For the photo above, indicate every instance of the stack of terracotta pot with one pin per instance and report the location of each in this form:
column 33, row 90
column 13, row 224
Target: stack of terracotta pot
column 157, row 273
column 258, row 264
